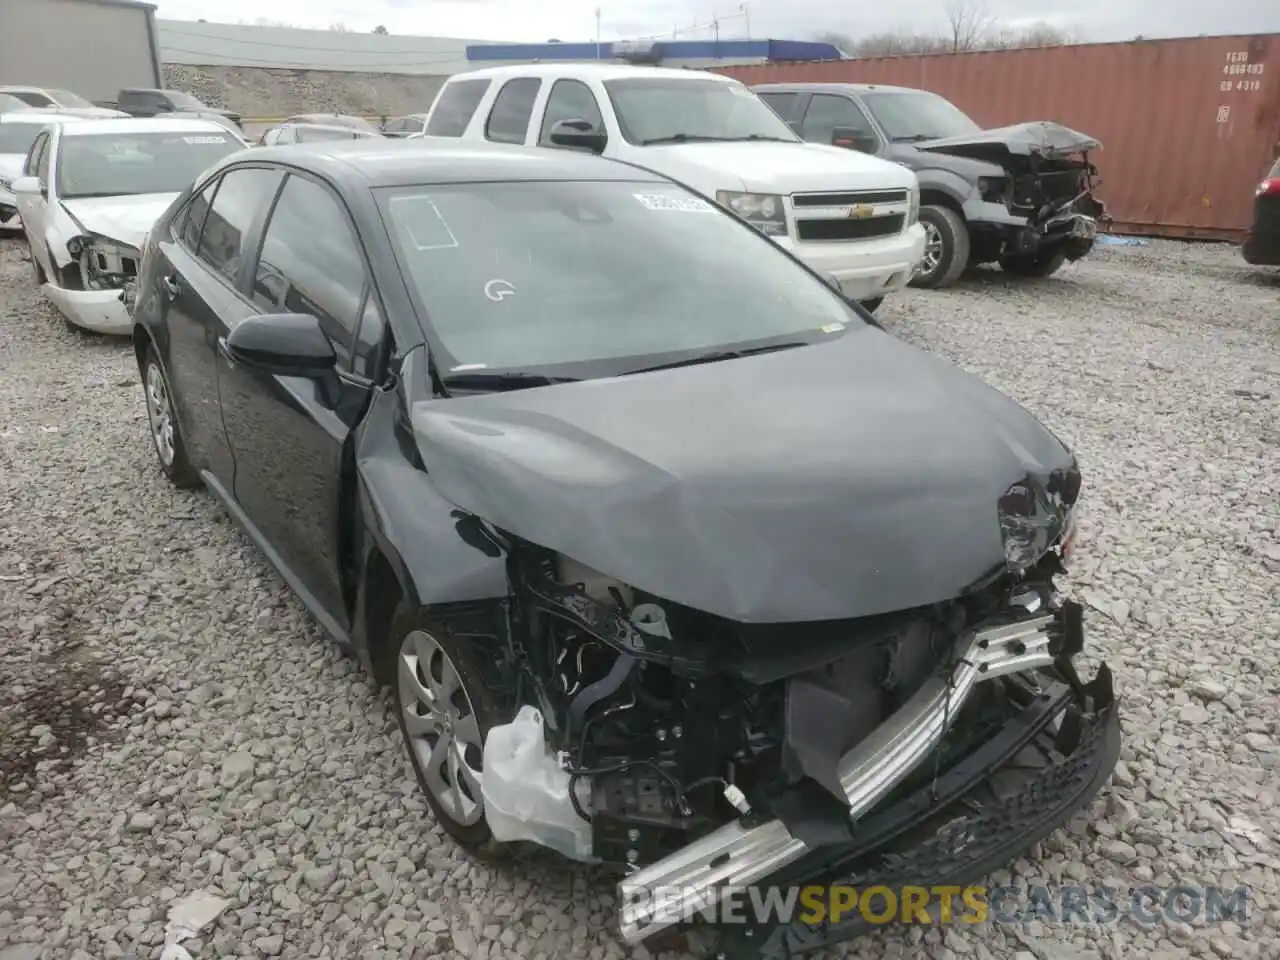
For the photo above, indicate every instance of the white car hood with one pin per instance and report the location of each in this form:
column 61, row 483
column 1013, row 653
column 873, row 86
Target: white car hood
column 11, row 165
column 784, row 168
column 126, row 219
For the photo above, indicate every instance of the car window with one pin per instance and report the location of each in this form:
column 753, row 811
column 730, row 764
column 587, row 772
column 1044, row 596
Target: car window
column 570, row 100
column 669, row 109
column 457, row 102
column 512, row 107
column 32, row 98
column 519, row 275
column 311, row 262
column 826, row 112
column 42, row 161
column 784, row 104
column 32, row 164
column 194, row 217
column 18, row 137
column 241, row 196
column 143, row 162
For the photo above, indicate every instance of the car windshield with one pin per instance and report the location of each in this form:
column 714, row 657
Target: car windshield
column 66, row 98
column 119, row 164
column 616, row 275
column 918, row 116
column 673, row 110
column 18, row 137
column 32, row 98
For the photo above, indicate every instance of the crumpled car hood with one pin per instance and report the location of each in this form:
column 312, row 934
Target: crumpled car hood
column 832, row 481
column 126, row 219
column 1041, row 138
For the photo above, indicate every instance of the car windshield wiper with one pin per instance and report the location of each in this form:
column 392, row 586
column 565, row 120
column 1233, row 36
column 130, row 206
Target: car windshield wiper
column 762, row 136
column 685, row 138
column 501, row 380
column 916, row 138
column 718, row 355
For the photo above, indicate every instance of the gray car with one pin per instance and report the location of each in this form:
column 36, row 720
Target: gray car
column 1021, row 196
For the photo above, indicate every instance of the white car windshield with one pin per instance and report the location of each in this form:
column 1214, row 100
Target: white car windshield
column 120, row 164
column 917, row 115
column 653, row 110
column 521, row 275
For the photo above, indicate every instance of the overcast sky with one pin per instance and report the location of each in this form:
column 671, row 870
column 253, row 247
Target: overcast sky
column 539, row 20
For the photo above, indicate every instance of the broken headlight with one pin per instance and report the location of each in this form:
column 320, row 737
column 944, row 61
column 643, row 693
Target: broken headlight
column 1035, row 516
column 105, row 264
column 764, row 211
column 995, row 189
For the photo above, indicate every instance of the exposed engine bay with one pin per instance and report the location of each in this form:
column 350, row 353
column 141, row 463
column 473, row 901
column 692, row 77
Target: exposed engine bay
column 647, row 728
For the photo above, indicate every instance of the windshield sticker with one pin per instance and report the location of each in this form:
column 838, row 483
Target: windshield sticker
column 212, row 139
column 498, row 289
column 678, row 204
column 832, row 327
column 425, row 225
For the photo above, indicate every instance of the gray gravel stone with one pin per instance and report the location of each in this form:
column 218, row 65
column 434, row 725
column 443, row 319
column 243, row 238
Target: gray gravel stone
column 272, row 771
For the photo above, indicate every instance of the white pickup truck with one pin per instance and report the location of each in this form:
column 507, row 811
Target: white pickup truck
column 845, row 214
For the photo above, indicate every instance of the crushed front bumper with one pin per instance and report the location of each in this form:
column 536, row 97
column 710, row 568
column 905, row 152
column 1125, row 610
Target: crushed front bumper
column 746, row 853
column 101, row 311
column 1071, row 233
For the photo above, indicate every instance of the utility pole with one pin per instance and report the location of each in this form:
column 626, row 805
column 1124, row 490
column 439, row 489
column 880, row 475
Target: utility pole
column 597, row 33
column 746, row 16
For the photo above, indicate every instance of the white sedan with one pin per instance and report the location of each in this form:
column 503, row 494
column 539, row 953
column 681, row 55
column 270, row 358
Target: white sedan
column 90, row 191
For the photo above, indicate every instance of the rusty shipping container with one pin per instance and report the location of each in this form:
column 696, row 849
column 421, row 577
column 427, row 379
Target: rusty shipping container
column 1188, row 127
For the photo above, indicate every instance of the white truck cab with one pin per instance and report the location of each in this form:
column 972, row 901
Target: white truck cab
column 846, row 214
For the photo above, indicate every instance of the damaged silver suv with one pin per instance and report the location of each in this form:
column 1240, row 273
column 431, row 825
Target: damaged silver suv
column 675, row 561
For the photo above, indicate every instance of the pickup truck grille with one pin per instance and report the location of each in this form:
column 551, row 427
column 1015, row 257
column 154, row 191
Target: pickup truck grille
column 848, row 199
column 849, row 229
column 849, row 214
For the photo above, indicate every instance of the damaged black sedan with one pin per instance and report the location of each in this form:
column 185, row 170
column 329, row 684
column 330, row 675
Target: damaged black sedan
column 675, row 561
column 1022, row 196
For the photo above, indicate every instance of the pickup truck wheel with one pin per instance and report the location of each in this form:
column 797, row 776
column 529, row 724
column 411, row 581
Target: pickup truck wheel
column 946, row 248
column 444, row 712
column 166, row 436
column 1033, row 267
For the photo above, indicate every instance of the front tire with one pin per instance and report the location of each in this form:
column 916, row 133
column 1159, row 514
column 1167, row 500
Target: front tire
column 1036, row 267
column 445, row 712
column 946, row 248
column 162, row 420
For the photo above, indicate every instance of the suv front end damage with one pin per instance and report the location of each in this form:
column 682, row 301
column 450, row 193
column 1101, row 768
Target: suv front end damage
column 1038, row 202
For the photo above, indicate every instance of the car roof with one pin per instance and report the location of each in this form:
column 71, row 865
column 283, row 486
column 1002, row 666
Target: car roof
column 599, row 71
column 848, row 87
column 108, row 126
column 389, row 161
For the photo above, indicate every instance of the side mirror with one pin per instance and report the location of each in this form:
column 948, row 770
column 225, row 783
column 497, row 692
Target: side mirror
column 580, row 134
column 284, row 344
column 28, row 186
column 854, row 139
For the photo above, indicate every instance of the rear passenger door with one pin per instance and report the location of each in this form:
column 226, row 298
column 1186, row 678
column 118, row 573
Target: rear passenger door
column 508, row 120
column 289, row 434
column 198, row 299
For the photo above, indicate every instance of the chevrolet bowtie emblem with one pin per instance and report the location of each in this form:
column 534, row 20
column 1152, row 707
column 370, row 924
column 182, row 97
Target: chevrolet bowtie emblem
column 860, row 211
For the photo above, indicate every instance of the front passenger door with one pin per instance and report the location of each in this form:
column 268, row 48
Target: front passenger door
column 289, row 434
column 32, row 208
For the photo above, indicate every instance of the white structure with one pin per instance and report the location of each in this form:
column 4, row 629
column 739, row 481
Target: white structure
column 197, row 43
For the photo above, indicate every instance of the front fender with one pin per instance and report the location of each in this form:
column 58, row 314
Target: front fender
column 403, row 518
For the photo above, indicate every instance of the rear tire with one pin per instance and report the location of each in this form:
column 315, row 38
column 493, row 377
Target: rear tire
column 1034, row 267
column 445, row 712
column 947, row 247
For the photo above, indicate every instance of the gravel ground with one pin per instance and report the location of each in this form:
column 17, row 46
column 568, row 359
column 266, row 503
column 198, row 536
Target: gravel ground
column 170, row 720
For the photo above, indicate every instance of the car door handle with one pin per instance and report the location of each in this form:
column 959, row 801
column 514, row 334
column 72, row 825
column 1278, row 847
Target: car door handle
column 171, row 287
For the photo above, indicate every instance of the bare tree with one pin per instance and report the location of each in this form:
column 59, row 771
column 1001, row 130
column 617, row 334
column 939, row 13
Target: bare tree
column 339, row 27
column 969, row 22
column 380, row 30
